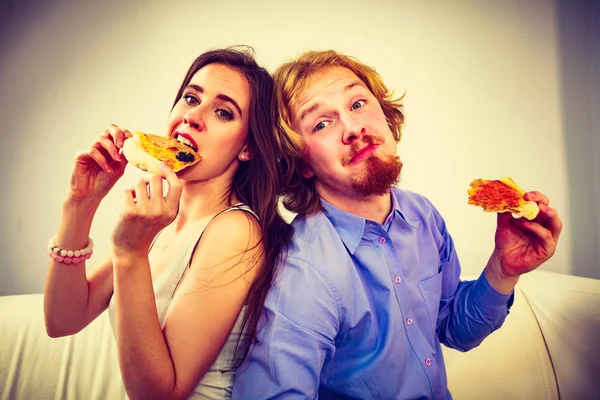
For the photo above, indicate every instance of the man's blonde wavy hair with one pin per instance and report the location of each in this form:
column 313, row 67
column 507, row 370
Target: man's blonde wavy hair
column 291, row 80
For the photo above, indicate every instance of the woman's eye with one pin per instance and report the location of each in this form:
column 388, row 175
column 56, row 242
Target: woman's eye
column 321, row 125
column 224, row 114
column 358, row 104
column 191, row 100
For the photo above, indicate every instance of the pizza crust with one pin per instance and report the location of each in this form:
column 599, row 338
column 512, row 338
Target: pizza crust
column 146, row 151
column 502, row 195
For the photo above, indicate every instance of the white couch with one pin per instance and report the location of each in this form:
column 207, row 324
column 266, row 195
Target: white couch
column 548, row 348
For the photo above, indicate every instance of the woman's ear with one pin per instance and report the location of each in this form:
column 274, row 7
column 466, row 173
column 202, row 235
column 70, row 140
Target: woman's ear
column 245, row 154
column 307, row 173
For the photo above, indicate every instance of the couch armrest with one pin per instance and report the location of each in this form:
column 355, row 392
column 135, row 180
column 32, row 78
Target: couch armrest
column 511, row 363
column 35, row 366
column 567, row 309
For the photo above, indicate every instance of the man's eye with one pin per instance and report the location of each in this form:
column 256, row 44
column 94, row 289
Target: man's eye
column 321, row 125
column 224, row 114
column 191, row 100
column 358, row 104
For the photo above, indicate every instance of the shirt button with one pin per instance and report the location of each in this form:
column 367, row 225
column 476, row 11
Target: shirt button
column 382, row 240
column 428, row 362
column 409, row 321
column 397, row 279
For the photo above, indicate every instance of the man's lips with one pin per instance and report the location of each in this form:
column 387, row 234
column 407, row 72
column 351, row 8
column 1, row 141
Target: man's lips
column 362, row 153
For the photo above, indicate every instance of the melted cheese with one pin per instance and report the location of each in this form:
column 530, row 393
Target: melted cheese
column 502, row 195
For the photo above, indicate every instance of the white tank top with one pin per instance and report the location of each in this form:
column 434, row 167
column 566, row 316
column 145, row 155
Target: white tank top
column 215, row 384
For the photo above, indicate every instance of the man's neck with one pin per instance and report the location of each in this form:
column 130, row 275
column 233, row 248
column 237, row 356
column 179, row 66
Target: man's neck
column 374, row 207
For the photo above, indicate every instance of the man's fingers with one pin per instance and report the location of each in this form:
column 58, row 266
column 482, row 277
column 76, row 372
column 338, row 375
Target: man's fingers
column 551, row 221
column 504, row 219
column 537, row 197
column 544, row 236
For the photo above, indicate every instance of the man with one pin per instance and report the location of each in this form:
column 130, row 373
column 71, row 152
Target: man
column 371, row 283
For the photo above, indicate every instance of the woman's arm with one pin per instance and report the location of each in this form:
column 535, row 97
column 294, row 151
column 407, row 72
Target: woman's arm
column 169, row 363
column 71, row 298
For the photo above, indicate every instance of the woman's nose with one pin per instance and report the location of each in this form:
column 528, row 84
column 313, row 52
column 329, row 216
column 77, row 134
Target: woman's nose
column 195, row 118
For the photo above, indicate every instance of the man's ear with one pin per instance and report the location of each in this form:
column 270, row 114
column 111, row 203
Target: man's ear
column 245, row 154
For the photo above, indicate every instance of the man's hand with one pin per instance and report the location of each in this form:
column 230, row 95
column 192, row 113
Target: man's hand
column 523, row 245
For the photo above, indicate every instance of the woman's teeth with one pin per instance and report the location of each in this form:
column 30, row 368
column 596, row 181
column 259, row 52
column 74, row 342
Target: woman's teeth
column 186, row 141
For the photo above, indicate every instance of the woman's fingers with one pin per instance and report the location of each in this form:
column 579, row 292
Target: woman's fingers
column 155, row 187
column 99, row 158
column 149, row 198
column 117, row 134
column 105, row 142
column 129, row 198
column 175, row 186
column 141, row 192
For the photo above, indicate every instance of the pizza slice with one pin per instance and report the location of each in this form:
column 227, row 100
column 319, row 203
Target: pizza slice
column 146, row 151
column 502, row 195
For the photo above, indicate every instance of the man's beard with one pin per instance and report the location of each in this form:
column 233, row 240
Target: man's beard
column 380, row 174
column 379, row 177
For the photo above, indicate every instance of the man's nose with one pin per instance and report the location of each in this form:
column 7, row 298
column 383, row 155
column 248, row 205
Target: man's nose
column 353, row 130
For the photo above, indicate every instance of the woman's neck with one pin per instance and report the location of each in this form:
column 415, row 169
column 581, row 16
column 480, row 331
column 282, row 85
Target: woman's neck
column 200, row 199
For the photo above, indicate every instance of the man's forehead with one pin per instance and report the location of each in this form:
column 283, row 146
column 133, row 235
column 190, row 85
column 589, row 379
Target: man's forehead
column 321, row 83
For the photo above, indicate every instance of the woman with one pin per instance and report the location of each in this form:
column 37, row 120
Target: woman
column 189, row 269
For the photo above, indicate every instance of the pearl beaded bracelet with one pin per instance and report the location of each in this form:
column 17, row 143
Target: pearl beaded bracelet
column 69, row 256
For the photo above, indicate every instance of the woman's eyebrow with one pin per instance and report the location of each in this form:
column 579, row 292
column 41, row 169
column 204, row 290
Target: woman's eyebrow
column 219, row 96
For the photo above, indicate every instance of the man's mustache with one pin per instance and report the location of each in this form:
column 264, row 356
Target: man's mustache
column 360, row 144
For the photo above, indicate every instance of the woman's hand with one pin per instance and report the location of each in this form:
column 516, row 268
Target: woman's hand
column 145, row 212
column 98, row 168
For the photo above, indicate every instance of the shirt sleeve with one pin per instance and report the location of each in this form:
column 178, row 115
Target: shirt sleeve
column 469, row 310
column 296, row 336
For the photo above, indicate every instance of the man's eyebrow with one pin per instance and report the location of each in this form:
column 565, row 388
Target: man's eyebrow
column 353, row 84
column 316, row 106
column 220, row 96
column 309, row 110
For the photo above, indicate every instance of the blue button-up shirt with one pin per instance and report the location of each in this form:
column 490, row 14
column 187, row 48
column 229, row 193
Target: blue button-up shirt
column 359, row 309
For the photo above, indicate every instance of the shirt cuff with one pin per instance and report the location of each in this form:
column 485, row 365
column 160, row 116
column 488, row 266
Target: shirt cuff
column 490, row 298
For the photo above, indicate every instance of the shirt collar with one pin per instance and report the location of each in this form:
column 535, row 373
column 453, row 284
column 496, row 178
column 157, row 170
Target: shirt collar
column 396, row 210
column 351, row 227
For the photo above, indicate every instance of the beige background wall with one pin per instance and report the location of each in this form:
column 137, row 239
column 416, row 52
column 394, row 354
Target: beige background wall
column 492, row 89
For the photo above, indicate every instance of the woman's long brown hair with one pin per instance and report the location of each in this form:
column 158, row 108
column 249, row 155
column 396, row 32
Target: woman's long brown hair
column 256, row 182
